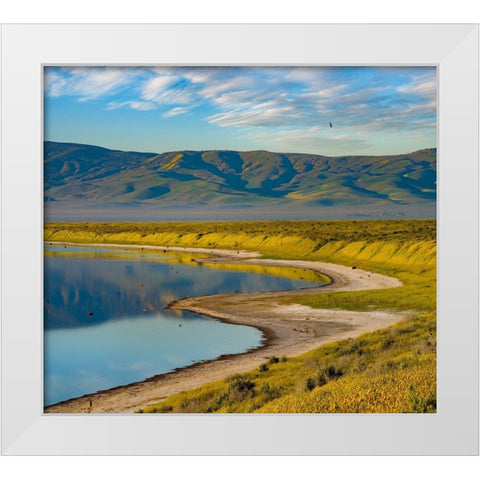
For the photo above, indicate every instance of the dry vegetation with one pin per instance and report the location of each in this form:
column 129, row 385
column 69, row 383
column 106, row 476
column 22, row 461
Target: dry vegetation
column 392, row 370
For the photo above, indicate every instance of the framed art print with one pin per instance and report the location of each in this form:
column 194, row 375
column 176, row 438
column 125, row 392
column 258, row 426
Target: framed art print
column 245, row 241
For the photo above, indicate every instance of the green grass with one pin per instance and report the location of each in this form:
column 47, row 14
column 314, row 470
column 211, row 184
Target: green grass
column 390, row 370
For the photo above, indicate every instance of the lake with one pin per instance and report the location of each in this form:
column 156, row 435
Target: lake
column 105, row 322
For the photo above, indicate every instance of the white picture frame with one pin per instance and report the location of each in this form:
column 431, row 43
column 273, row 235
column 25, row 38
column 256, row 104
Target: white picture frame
column 453, row 430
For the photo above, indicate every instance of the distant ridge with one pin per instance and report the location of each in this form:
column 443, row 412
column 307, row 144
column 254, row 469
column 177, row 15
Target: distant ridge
column 84, row 177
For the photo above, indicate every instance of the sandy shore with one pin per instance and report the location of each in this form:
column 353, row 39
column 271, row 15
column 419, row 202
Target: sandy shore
column 289, row 329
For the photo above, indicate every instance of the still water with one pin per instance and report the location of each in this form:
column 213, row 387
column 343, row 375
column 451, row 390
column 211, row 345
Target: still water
column 105, row 320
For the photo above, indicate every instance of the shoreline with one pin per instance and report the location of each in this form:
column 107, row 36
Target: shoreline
column 289, row 329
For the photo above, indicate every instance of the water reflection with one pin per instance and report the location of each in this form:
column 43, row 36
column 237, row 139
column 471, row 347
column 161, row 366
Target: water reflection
column 106, row 324
column 86, row 287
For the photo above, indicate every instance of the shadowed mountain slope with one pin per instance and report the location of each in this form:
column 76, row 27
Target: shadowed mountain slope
column 89, row 175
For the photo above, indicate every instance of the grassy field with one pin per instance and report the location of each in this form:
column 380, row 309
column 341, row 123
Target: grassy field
column 392, row 370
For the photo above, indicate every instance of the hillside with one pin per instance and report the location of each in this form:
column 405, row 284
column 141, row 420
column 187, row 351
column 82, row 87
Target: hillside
column 84, row 176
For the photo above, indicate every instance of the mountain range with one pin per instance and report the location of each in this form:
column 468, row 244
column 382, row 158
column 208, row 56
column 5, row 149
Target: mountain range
column 89, row 178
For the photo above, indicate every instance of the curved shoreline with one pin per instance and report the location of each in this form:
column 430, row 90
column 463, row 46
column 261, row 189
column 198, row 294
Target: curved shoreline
column 289, row 330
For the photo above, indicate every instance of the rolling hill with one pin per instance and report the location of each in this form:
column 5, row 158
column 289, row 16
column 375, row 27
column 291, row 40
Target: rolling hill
column 81, row 178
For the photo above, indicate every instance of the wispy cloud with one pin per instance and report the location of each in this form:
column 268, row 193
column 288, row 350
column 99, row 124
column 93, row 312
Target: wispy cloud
column 157, row 87
column 174, row 112
column 317, row 139
column 423, row 85
column 89, row 83
column 258, row 103
column 263, row 115
column 135, row 105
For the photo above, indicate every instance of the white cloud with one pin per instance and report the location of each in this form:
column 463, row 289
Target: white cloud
column 174, row 112
column 329, row 92
column 260, row 116
column 213, row 89
column 299, row 101
column 89, row 82
column 236, row 97
column 428, row 107
column 156, row 88
column 316, row 139
column 135, row 105
column 423, row 85
column 362, row 95
column 200, row 74
column 168, row 90
column 314, row 78
column 54, row 84
column 199, row 77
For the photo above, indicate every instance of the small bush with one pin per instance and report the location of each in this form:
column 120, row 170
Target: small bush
column 310, row 383
column 263, row 367
column 327, row 374
column 240, row 389
column 273, row 360
column 270, row 392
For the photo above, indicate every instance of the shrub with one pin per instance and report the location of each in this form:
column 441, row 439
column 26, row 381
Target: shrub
column 327, row 374
column 310, row 384
column 270, row 392
column 240, row 389
column 263, row 367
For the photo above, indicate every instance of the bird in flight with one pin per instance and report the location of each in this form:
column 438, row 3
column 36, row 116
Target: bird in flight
column 330, row 123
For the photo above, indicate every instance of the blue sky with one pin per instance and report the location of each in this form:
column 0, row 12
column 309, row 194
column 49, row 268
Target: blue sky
column 373, row 110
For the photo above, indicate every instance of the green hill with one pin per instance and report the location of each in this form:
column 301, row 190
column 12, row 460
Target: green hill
column 84, row 176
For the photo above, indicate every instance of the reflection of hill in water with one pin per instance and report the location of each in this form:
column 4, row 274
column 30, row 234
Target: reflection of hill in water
column 92, row 288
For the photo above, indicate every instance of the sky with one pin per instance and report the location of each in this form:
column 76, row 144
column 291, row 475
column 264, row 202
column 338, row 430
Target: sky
column 372, row 110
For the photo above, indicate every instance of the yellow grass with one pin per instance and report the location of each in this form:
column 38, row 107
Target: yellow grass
column 392, row 370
